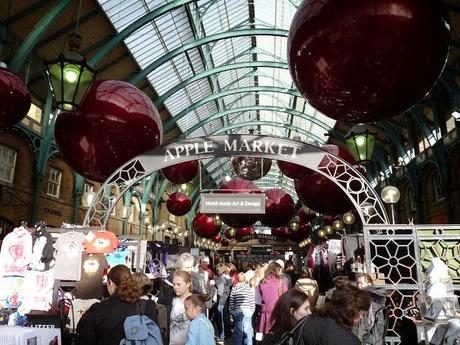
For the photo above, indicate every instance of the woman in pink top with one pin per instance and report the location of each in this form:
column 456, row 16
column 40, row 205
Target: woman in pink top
column 270, row 289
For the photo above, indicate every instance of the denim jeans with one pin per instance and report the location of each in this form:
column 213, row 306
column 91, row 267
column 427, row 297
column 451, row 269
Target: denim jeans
column 220, row 318
column 243, row 328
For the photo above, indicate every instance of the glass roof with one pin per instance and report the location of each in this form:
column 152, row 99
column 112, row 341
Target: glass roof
column 231, row 100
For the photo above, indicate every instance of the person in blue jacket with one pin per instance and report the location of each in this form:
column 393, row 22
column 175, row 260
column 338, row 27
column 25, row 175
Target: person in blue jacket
column 200, row 331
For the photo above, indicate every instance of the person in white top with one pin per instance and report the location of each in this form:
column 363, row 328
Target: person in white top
column 179, row 323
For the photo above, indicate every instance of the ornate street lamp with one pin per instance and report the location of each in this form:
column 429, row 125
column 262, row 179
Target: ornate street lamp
column 390, row 195
column 69, row 76
column 360, row 143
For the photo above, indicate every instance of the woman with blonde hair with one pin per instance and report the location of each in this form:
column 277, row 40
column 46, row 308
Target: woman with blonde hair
column 270, row 289
column 179, row 322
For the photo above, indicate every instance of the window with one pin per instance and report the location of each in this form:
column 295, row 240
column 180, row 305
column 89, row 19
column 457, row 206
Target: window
column 54, row 182
column 88, row 187
column 438, row 193
column 7, row 163
column 411, row 200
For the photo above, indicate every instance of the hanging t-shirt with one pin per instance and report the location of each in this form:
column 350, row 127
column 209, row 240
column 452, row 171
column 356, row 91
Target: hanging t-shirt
column 16, row 252
column 120, row 257
column 11, row 291
column 41, row 296
column 42, row 251
column 101, row 242
column 93, row 267
column 69, row 248
column 179, row 323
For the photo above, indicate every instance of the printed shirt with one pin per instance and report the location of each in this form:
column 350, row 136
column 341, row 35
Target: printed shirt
column 101, row 242
column 179, row 323
column 16, row 252
column 69, row 248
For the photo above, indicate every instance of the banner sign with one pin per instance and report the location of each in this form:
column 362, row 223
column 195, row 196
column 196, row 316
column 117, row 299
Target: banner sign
column 232, row 203
column 261, row 237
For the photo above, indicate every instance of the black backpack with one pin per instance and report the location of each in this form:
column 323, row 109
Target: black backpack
column 294, row 336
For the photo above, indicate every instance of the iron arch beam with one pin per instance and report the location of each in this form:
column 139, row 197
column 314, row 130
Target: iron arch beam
column 122, row 35
column 259, row 107
column 32, row 39
column 172, row 122
column 334, row 168
column 137, row 77
column 207, row 73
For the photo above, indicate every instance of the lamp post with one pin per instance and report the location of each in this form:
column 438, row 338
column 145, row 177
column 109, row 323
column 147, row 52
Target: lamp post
column 360, row 143
column 69, row 76
column 390, row 195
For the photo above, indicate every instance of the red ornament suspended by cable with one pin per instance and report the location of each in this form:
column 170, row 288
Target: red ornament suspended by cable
column 14, row 98
column 205, row 226
column 217, row 238
column 182, row 172
column 178, row 204
column 115, row 123
column 224, row 242
column 279, row 208
column 230, row 233
column 351, row 67
column 293, row 170
column 242, row 234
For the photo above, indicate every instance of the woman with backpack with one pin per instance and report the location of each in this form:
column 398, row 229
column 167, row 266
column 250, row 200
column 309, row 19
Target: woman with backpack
column 103, row 323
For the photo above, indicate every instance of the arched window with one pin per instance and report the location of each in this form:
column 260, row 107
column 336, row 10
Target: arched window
column 438, row 192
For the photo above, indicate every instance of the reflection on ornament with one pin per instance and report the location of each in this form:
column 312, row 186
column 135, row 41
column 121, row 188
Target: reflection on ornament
column 321, row 233
column 329, row 229
column 251, row 168
column 294, row 226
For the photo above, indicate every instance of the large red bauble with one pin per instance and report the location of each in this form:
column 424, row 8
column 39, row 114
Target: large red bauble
column 349, row 65
column 251, row 168
column 321, row 194
column 301, row 234
column 238, row 185
column 15, row 98
column 292, row 170
column 205, row 226
column 242, row 232
column 182, row 172
column 178, row 204
column 279, row 208
column 224, row 242
column 281, row 232
column 115, row 123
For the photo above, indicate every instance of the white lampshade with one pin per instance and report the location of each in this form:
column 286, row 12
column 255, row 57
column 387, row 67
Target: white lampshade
column 390, row 195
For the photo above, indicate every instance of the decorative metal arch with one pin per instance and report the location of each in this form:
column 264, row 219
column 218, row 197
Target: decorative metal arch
column 361, row 193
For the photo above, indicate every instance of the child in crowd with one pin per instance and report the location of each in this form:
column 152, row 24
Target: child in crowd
column 200, row 331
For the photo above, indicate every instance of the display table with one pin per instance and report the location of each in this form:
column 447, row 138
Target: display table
column 29, row 336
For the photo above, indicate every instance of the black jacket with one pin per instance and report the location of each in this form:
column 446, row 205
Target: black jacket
column 326, row 331
column 103, row 323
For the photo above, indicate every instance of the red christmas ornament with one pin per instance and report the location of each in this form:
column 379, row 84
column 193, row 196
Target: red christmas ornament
column 328, row 220
column 205, row 226
column 279, row 208
column 321, row 194
column 15, row 98
column 281, row 233
column 242, row 232
column 293, row 170
column 182, row 172
column 351, row 67
column 230, row 233
column 224, row 242
column 238, row 185
column 178, row 204
column 217, row 238
column 251, row 168
column 301, row 234
column 115, row 123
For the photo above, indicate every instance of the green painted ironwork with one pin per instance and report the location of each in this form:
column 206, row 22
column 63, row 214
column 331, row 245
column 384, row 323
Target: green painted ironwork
column 259, row 107
column 137, row 77
column 32, row 39
column 159, row 200
column 171, row 122
column 78, row 184
column 122, row 35
column 206, row 73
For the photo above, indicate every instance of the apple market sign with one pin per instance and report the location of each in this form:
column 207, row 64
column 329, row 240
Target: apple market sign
column 334, row 168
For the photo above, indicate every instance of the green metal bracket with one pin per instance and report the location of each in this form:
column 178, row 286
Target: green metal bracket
column 77, row 193
column 137, row 77
column 158, row 200
column 32, row 39
column 171, row 122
